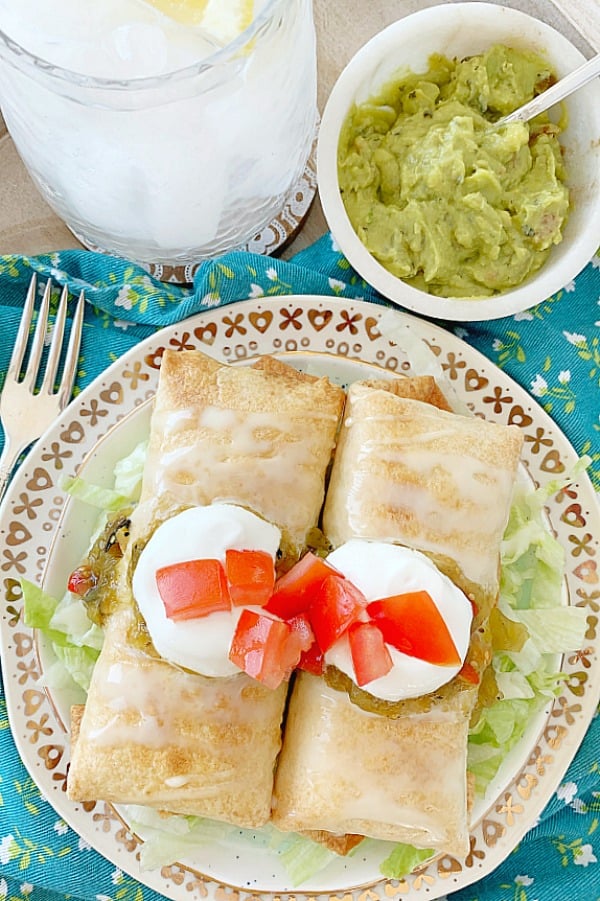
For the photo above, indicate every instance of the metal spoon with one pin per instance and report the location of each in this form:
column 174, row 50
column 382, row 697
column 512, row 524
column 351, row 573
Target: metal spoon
column 567, row 85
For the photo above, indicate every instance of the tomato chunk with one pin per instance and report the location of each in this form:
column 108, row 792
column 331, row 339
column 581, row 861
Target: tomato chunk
column 265, row 648
column 412, row 623
column 294, row 590
column 301, row 627
column 370, row 656
column 82, row 580
column 251, row 577
column 311, row 657
column 312, row 660
column 469, row 674
column 193, row 588
column 334, row 606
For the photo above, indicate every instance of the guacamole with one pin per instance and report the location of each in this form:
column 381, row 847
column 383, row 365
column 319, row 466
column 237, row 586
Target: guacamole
column 442, row 199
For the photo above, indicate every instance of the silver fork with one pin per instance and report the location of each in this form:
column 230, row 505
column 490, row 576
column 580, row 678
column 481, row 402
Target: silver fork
column 26, row 415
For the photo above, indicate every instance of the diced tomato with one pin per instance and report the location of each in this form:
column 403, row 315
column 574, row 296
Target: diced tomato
column 251, row 577
column 294, row 590
column 82, row 580
column 312, row 657
column 265, row 648
column 193, row 588
column 334, row 606
column 301, row 627
column 302, row 639
column 469, row 674
column 370, row 656
column 313, row 660
column 412, row 623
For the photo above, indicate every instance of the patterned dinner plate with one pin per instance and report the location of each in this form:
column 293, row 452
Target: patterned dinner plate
column 44, row 533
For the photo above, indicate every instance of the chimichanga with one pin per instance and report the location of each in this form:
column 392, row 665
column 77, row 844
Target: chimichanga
column 255, row 441
column 405, row 473
column 409, row 472
column 261, row 435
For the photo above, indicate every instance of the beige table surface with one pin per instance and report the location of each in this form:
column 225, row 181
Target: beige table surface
column 28, row 225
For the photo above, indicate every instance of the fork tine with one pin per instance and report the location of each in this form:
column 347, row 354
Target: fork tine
column 70, row 368
column 58, row 332
column 37, row 345
column 16, row 360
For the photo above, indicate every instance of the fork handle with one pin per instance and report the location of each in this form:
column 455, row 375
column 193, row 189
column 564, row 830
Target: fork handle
column 8, row 458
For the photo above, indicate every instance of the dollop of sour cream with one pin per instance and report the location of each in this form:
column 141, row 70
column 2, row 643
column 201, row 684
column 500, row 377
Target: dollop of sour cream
column 381, row 570
column 201, row 645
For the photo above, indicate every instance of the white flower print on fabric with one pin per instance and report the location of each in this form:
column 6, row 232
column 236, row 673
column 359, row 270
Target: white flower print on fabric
column 271, row 274
column 60, row 827
column 124, row 299
column 59, row 275
column 523, row 316
column 566, row 792
column 569, row 287
column 336, row 285
column 539, row 386
column 564, row 377
column 6, row 846
column 584, row 856
column 212, row 299
column 256, row 291
column 3, row 889
column 26, row 888
column 523, row 880
column 574, row 338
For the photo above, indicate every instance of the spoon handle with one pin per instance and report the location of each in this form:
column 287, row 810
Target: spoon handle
column 565, row 86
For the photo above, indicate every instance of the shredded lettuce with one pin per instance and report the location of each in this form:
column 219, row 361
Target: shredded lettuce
column 169, row 838
column 127, row 483
column 555, row 630
column 301, row 857
column 403, row 860
column 68, row 644
column 105, row 499
column 75, row 640
column 71, row 619
column 38, row 608
column 129, row 471
column 79, row 662
column 530, row 594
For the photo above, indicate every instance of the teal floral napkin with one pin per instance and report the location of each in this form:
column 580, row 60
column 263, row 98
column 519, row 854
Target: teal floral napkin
column 552, row 350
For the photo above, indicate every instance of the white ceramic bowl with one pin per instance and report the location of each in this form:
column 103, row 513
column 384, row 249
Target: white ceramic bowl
column 464, row 29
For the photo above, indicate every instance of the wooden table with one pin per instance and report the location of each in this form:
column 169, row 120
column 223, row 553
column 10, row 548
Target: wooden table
column 28, row 225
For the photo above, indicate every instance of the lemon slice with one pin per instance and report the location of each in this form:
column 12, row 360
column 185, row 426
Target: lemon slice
column 226, row 19
column 188, row 12
column 223, row 20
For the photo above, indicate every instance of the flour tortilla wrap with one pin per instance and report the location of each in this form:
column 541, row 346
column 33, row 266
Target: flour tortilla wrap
column 153, row 733
column 413, row 474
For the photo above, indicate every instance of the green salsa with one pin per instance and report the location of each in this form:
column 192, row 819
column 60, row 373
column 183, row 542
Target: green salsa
column 440, row 197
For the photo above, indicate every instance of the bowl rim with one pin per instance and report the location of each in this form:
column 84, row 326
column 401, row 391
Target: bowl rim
column 362, row 65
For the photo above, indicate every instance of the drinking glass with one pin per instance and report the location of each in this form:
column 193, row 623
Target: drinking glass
column 175, row 167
